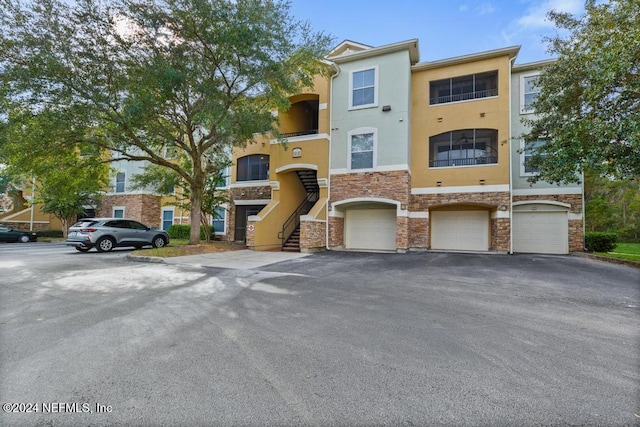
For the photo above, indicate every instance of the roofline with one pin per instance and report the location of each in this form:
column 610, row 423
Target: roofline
column 533, row 65
column 411, row 45
column 512, row 51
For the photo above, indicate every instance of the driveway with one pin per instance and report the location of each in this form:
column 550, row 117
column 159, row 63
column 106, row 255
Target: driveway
column 329, row 339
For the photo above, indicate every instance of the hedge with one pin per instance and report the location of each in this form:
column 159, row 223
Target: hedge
column 597, row 241
column 50, row 233
column 182, row 232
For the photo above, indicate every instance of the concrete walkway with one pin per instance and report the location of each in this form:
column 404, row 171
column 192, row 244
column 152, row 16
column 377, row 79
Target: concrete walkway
column 242, row 260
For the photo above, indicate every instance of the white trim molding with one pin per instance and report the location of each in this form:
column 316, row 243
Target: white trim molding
column 462, row 189
column 301, row 138
column 541, row 202
column 297, row 166
column 500, row 214
column 252, row 202
column 547, row 191
column 249, row 184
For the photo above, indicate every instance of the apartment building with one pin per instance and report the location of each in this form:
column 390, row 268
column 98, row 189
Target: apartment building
column 421, row 155
column 388, row 153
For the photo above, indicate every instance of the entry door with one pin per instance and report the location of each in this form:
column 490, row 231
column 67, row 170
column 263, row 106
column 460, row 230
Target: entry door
column 243, row 212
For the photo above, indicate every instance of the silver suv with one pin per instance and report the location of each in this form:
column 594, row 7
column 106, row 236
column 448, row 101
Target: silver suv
column 107, row 233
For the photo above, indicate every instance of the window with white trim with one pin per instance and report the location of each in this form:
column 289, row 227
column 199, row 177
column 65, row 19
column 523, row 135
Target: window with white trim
column 362, row 148
column 167, row 218
column 528, row 92
column 219, row 219
column 528, row 150
column 118, row 212
column 363, row 88
column 120, row 182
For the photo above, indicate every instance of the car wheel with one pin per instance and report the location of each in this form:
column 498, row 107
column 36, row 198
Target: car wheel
column 81, row 249
column 159, row 242
column 105, row 244
column 23, row 239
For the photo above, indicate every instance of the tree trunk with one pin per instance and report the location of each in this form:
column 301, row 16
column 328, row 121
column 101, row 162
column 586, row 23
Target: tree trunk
column 196, row 203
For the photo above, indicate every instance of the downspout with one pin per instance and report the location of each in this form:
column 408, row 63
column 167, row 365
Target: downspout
column 511, row 61
column 326, row 237
column 33, row 202
column 584, row 222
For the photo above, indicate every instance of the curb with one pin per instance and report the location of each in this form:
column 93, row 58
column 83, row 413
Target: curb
column 610, row 260
column 151, row 259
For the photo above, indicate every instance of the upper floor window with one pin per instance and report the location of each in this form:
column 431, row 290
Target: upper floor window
column 463, row 88
column 363, row 88
column 466, row 147
column 528, row 150
column 120, row 181
column 529, row 92
column 253, row 168
column 362, row 144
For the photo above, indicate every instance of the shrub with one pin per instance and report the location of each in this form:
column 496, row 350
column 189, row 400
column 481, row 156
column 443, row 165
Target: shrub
column 180, row 231
column 50, row 233
column 597, row 241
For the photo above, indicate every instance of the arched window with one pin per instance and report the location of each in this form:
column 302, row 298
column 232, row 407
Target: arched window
column 465, row 147
column 253, row 168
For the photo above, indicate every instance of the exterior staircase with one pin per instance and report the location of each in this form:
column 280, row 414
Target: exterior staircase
column 292, row 244
column 290, row 233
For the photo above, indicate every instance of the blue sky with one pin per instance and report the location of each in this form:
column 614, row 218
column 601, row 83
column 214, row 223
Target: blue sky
column 445, row 28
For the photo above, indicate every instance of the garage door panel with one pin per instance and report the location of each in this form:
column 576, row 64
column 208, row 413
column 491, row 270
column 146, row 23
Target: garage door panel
column 373, row 229
column 460, row 230
column 540, row 232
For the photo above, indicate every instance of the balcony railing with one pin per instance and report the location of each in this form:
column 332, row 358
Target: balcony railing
column 464, row 96
column 486, row 160
column 300, row 133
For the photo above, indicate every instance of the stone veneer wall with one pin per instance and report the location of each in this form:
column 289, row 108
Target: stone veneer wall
column 141, row 207
column 336, row 232
column 312, row 235
column 24, row 225
column 393, row 185
column 419, row 228
column 576, row 229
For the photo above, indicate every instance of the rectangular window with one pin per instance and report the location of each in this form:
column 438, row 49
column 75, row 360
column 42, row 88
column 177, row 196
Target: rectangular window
column 120, row 179
column 363, row 88
column 362, row 151
column 530, row 91
column 118, row 212
column 219, row 219
column 472, row 86
column 529, row 149
column 167, row 219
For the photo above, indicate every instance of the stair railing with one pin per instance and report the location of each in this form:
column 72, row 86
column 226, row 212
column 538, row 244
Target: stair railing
column 293, row 221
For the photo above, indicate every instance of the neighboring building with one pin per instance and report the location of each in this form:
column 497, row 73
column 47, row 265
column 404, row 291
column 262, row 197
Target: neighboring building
column 389, row 153
column 26, row 216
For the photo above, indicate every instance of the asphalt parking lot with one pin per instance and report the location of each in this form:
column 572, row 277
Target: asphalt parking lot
column 329, row 339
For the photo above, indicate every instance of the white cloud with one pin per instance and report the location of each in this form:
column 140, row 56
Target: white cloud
column 536, row 15
column 463, row 8
column 486, row 8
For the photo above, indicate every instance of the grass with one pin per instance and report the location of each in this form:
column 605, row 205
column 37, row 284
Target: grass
column 628, row 251
column 182, row 248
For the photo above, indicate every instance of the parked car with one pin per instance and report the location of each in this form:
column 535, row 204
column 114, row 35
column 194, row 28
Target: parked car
column 107, row 233
column 10, row 234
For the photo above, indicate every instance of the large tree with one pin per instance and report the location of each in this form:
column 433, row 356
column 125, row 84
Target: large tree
column 67, row 175
column 588, row 107
column 142, row 78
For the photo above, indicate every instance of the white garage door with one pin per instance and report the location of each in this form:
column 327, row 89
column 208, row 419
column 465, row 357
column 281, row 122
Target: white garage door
column 370, row 229
column 460, row 230
column 540, row 232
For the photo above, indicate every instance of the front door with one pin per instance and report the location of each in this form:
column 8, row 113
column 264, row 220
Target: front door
column 243, row 212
